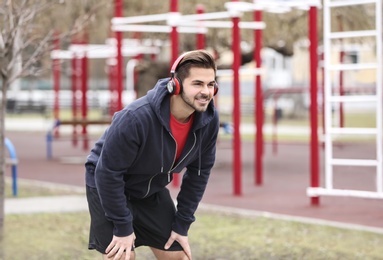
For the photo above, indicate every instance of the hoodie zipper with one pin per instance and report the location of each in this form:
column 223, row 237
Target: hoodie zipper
column 180, row 161
column 175, row 154
column 174, row 159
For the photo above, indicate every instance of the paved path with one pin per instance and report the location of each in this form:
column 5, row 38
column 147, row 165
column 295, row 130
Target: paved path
column 70, row 203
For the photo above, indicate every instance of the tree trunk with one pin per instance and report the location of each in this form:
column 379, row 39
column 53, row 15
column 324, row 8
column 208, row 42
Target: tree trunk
column 3, row 106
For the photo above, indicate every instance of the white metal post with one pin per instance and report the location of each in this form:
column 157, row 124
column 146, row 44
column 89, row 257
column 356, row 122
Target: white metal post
column 379, row 85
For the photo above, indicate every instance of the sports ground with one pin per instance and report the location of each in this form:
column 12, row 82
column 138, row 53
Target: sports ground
column 282, row 194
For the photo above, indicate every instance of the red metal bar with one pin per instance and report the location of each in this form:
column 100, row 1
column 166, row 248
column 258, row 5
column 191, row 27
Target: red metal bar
column 237, row 167
column 258, row 103
column 112, row 87
column 118, row 13
column 84, row 103
column 200, row 36
column 174, row 44
column 138, row 57
column 314, row 155
column 74, row 98
column 174, row 33
column 56, row 85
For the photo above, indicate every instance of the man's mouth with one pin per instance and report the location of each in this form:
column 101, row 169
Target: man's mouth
column 203, row 100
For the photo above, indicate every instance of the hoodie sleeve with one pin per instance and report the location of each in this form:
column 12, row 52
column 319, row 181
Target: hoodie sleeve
column 194, row 182
column 94, row 155
column 91, row 161
column 118, row 153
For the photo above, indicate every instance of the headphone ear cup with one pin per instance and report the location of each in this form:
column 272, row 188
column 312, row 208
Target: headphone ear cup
column 174, row 86
column 170, row 86
column 215, row 88
column 177, row 86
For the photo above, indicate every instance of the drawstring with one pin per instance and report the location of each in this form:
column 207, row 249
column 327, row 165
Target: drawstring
column 199, row 154
column 162, row 153
column 162, row 149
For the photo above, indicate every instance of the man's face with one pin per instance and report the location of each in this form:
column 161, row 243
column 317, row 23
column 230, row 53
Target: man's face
column 198, row 88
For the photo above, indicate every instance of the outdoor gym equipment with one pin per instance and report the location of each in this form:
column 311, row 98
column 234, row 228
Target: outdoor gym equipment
column 12, row 160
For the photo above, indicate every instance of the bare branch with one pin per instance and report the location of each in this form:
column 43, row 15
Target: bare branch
column 41, row 49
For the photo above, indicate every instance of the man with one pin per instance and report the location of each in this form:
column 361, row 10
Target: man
column 175, row 126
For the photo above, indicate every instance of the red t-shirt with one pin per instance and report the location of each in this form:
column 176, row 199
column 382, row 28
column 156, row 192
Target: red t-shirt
column 180, row 132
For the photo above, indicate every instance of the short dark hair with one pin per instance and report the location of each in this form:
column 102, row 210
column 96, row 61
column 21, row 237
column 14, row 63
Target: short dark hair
column 195, row 59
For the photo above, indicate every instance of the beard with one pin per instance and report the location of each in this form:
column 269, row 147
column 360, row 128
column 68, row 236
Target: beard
column 194, row 104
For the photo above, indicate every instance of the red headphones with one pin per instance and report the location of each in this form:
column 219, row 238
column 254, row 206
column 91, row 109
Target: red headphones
column 174, row 85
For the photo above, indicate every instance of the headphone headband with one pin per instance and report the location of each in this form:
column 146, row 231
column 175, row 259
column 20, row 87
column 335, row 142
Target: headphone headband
column 176, row 63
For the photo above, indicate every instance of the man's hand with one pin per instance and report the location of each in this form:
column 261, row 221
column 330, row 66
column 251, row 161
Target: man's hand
column 183, row 240
column 119, row 245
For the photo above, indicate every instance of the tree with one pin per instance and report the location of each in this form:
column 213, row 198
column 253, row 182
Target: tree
column 26, row 36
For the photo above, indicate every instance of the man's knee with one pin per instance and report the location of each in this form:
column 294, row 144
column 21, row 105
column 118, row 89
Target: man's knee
column 169, row 255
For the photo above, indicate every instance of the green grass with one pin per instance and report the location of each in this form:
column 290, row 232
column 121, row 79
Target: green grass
column 212, row 236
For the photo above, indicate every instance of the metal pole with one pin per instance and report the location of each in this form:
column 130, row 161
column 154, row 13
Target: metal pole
column 118, row 13
column 258, row 103
column 56, row 84
column 174, row 33
column 323, row 98
column 112, row 85
column 84, row 103
column 341, row 75
column 237, row 111
column 74, row 99
column 314, row 155
column 174, row 44
column 12, row 154
column 200, row 36
column 379, row 94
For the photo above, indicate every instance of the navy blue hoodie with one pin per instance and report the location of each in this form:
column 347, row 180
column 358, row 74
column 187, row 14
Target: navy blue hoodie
column 136, row 157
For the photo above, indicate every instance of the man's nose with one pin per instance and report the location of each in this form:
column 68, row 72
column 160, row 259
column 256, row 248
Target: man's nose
column 205, row 89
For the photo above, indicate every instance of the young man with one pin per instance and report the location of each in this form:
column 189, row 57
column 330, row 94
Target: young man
column 175, row 126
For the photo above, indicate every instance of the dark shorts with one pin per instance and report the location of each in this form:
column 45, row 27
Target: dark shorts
column 152, row 221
